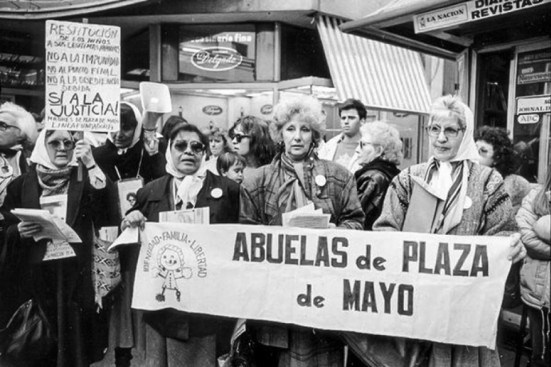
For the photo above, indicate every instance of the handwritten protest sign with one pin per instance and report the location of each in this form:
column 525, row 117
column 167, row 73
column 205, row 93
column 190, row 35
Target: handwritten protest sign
column 433, row 287
column 82, row 76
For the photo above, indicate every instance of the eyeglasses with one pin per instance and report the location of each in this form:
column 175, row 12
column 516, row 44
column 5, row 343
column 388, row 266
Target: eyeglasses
column 364, row 143
column 449, row 132
column 239, row 137
column 195, row 146
column 59, row 145
column 4, row 126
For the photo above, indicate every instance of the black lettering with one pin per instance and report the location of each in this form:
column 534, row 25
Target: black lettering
column 240, row 248
column 480, row 261
column 405, row 307
column 387, row 295
column 258, row 253
column 442, row 259
column 290, row 250
column 303, row 259
column 269, row 252
column 351, row 297
column 466, row 248
column 422, row 268
column 322, row 254
column 409, row 254
column 369, row 300
column 335, row 262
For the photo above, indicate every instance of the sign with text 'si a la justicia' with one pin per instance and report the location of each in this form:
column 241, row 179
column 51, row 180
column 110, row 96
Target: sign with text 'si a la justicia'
column 82, row 76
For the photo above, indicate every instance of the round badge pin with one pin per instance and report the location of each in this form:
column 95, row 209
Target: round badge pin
column 468, row 203
column 320, row 180
column 216, row 193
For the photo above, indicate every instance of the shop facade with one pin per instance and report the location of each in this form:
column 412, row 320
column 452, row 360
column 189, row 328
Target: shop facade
column 503, row 55
column 225, row 59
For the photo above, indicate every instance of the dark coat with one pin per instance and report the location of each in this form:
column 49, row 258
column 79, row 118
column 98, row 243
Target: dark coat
column 84, row 335
column 156, row 197
column 107, row 158
column 373, row 180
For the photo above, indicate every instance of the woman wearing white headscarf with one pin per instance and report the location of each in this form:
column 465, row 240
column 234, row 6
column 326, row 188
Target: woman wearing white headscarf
column 174, row 338
column 125, row 155
column 62, row 287
column 467, row 199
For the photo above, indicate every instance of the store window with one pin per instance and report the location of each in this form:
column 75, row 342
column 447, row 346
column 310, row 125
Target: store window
column 533, row 107
column 493, row 88
column 211, row 53
column 135, row 57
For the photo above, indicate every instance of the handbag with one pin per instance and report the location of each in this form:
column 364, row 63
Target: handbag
column 27, row 338
column 106, row 269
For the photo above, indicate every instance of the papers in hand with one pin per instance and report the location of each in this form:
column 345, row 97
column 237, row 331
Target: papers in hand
column 53, row 228
column 190, row 216
column 306, row 217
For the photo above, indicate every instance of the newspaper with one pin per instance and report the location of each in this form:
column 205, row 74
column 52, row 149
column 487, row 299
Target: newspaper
column 53, row 228
column 190, row 216
column 306, row 217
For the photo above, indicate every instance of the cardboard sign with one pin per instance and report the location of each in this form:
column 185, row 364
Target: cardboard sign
column 82, row 76
column 440, row 288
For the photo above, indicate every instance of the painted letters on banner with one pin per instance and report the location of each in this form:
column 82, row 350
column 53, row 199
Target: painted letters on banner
column 433, row 287
column 82, row 76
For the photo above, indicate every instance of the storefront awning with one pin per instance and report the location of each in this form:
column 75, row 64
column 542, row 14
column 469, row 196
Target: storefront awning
column 46, row 9
column 380, row 75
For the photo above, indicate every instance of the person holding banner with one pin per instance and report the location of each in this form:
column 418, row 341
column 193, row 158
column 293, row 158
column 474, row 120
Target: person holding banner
column 295, row 178
column 174, row 338
column 62, row 285
column 450, row 194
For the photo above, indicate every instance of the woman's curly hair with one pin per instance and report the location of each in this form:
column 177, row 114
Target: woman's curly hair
column 262, row 146
column 506, row 160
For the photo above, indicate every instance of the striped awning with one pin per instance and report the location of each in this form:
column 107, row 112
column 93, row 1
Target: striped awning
column 380, row 75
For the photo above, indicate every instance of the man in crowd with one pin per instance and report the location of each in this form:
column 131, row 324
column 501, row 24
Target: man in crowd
column 342, row 148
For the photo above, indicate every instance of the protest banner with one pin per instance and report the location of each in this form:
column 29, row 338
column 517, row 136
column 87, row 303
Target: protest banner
column 433, row 287
column 82, row 76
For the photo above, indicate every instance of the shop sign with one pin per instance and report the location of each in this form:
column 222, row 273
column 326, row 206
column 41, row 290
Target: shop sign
column 528, row 119
column 530, row 105
column 470, row 11
column 212, row 110
column 266, row 109
column 216, row 59
column 531, row 77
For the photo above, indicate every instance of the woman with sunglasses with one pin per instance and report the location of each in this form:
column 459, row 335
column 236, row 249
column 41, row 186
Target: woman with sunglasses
column 380, row 153
column 62, row 287
column 250, row 138
column 187, row 185
column 295, row 178
column 469, row 200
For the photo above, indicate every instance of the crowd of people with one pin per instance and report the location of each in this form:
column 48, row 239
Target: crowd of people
column 263, row 169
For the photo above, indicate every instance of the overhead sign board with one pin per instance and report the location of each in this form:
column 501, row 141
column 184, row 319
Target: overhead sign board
column 470, row 11
column 530, row 105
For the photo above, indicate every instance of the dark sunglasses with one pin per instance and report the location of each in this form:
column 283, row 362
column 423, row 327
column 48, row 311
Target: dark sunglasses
column 65, row 144
column 195, row 146
column 239, row 137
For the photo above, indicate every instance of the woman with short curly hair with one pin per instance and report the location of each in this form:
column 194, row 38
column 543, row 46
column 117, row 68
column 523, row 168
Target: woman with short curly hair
column 250, row 138
column 496, row 150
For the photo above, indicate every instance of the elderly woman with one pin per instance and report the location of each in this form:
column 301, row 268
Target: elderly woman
column 63, row 287
column 17, row 135
column 295, row 177
column 379, row 152
column 469, row 200
column 496, row 151
column 187, row 185
column 250, row 137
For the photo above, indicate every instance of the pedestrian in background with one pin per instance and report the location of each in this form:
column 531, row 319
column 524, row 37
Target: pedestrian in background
column 379, row 155
column 496, row 151
column 250, row 138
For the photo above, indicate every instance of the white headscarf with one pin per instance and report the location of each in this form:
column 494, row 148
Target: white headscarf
column 16, row 115
column 137, row 130
column 467, row 149
column 40, row 153
column 188, row 185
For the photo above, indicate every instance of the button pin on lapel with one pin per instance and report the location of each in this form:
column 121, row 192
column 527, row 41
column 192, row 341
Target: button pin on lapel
column 216, row 193
column 468, row 203
column 320, row 180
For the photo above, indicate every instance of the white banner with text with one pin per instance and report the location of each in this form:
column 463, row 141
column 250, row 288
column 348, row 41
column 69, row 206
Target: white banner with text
column 433, row 287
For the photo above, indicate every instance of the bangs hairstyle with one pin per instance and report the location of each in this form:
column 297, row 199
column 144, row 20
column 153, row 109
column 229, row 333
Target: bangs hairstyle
column 128, row 117
column 262, row 146
column 387, row 137
column 354, row 104
column 307, row 108
column 191, row 129
column 228, row 159
column 446, row 107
